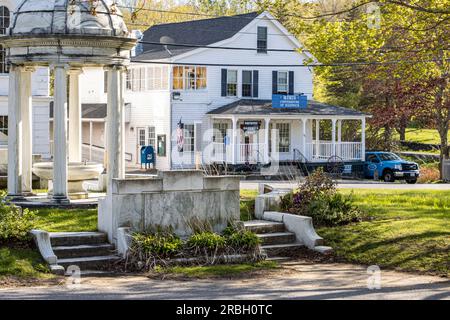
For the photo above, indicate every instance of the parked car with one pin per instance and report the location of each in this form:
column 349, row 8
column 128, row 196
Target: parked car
column 390, row 167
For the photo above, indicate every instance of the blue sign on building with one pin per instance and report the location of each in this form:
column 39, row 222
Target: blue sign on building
column 289, row 101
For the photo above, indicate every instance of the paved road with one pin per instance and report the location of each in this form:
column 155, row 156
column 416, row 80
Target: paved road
column 296, row 281
column 253, row 185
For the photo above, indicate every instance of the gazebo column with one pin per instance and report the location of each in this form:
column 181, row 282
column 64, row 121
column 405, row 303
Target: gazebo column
column 234, row 140
column 266, row 140
column 27, row 130
column 363, row 139
column 60, row 172
column 115, row 124
column 304, row 123
column 75, row 125
column 339, row 138
column 14, row 134
column 333, row 137
column 317, row 153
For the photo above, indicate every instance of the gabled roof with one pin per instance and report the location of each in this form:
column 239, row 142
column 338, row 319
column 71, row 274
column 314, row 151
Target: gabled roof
column 264, row 107
column 197, row 33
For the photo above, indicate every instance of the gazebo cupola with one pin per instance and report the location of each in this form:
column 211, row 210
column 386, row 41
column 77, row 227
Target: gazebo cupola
column 65, row 35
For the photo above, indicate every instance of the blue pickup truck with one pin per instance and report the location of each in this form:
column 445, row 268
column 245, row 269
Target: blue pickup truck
column 390, row 167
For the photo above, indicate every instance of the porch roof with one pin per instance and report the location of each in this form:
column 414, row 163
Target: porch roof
column 264, row 107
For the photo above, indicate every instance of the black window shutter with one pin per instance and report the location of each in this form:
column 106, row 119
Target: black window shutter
column 224, row 82
column 291, row 82
column 255, row 83
column 274, row 82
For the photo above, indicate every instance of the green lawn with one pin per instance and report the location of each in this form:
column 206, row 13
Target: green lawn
column 248, row 204
column 67, row 220
column 404, row 230
column 430, row 136
column 22, row 264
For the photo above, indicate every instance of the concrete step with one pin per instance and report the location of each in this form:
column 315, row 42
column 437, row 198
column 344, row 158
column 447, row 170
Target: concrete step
column 59, row 239
column 277, row 238
column 261, row 226
column 88, row 263
column 281, row 250
column 87, row 250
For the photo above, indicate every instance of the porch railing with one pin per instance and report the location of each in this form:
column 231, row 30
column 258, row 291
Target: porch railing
column 324, row 150
column 251, row 152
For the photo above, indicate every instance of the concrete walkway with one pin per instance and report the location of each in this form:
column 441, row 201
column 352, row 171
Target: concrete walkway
column 297, row 280
column 342, row 184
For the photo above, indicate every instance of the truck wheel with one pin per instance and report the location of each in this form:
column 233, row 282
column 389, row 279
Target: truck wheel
column 411, row 181
column 388, row 176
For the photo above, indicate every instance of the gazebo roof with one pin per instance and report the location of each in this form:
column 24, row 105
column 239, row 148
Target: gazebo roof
column 67, row 17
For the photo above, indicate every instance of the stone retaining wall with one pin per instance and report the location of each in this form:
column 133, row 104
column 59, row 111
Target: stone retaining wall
column 176, row 199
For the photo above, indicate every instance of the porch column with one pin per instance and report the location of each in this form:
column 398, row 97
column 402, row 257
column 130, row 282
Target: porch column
column 333, row 138
column 27, row 130
column 115, row 124
column 60, row 194
column 266, row 140
column 363, row 139
column 304, row 122
column 234, row 141
column 14, row 134
column 339, row 136
column 75, row 126
column 317, row 137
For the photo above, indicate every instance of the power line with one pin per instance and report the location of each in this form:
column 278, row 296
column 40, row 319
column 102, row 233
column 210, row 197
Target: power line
column 186, row 45
column 336, row 64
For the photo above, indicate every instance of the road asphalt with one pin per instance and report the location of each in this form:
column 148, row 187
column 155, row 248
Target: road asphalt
column 297, row 280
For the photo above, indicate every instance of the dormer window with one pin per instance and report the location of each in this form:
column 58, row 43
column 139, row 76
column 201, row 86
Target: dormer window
column 262, row 40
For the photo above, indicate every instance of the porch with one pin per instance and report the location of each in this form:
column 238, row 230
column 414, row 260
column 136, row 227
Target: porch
column 302, row 135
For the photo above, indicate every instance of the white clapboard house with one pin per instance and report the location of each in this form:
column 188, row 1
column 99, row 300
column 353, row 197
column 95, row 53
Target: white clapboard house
column 199, row 104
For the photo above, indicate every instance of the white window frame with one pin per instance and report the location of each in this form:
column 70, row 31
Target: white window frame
column 4, row 125
column 189, row 140
column 266, row 40
column 151, row 136
column 157, row 78
column 191, row 84
column 252, row 81
column 280, row 84
column 236, row 84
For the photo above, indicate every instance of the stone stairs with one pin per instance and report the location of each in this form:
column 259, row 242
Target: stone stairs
column 87, row 250
column 276, row 242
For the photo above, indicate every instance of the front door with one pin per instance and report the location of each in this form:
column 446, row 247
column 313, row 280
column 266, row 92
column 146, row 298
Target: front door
column 141, row 141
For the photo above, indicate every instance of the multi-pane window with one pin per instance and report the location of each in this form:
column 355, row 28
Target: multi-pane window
column 4, row 125
column 284, row 137
column 137, row 79
column 189, row 138
column 232, row 81
column 105, row 81
column 283, row 82
column 220, row 132
column 4, row 24
column 247, row 84
column 128, row 80
column 157, row 78
column 262, row 40
column 151, row 139
column 189, row 78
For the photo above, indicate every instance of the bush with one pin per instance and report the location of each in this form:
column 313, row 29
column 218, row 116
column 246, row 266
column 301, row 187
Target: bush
column 333, row 210
column 243, row 240
column 206, row 241
column 159, row 244
column 318, row 198
column 15, row 223
column 429, row 173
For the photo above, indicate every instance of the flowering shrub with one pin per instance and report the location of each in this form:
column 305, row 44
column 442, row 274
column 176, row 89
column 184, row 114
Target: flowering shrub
column 318, row 198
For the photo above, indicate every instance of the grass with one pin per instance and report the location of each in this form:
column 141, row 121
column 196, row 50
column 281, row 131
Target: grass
column 404, row 230
column 22, row 263
column 429, row 136
column 218, row 270
column 248, row 204
column 67, row 220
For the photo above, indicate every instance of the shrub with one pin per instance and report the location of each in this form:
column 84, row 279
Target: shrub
column 429, row 173
column 159, row 244
column 15, row 223
column 243, row 240
column 332, row 210
column 318, row 198
column 206, row 241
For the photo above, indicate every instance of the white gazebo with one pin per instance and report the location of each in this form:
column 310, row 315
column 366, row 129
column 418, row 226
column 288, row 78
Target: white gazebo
column 65, row 35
